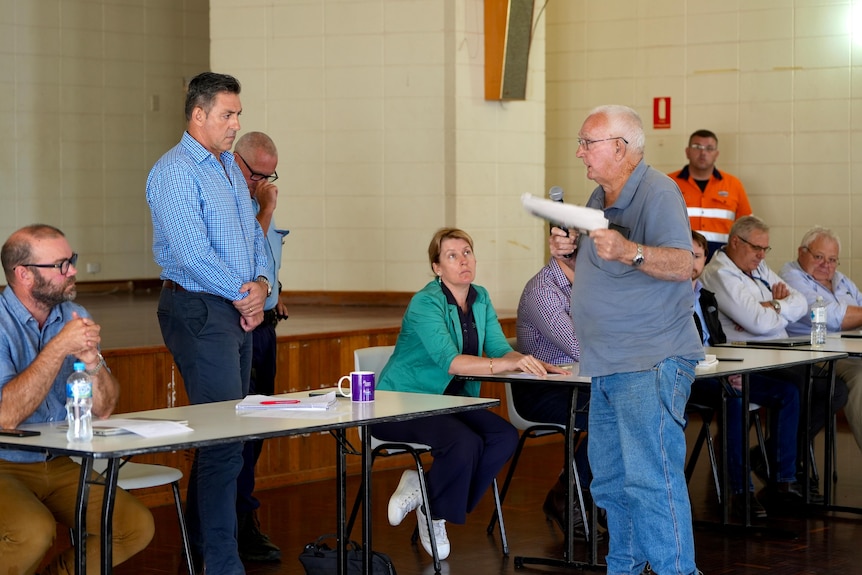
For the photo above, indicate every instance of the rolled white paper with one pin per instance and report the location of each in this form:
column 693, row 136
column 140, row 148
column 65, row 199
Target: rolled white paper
column 568, row 215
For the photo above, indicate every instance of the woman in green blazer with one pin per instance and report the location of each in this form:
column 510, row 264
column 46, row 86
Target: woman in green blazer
column 446, row 329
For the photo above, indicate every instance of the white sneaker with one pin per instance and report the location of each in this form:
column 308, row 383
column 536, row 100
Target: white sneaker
column 440, row 537
column 406, row 498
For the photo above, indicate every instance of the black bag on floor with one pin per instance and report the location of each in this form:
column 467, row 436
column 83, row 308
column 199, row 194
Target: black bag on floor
column 318, row 559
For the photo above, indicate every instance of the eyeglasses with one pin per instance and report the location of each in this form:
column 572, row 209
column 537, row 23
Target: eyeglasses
column 700, row 148
column 62, row 265
column 820, row 258
column 585, row 144
column 255, row 176
column 764, row 249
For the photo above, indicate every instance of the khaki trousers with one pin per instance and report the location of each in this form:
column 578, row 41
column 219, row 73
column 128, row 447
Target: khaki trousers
column 35, row 496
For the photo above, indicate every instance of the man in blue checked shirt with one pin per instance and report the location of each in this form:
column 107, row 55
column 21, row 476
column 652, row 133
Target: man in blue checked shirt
column 546, row 331
column 214, row 265
column 815, row 273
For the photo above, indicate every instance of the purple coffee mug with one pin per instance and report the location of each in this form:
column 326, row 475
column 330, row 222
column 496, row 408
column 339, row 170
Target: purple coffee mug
column 361, row 386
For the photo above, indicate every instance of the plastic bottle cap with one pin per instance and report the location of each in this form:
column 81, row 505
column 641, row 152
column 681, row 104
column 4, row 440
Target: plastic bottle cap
column 79, row 366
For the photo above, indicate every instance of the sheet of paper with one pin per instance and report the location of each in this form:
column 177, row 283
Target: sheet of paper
column 569, row 215
column 145, row 427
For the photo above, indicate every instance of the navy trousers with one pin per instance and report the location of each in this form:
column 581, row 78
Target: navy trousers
column 469, row 449
column 213, row 354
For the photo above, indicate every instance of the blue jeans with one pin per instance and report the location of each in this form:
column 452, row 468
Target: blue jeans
column 213, row 354
column 637, row 454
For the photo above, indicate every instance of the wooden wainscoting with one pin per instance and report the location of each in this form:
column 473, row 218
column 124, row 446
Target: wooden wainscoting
column 150, row 380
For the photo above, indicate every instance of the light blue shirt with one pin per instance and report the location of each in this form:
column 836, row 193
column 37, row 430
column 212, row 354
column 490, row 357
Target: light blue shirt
column 21, row 340
column 844, row 293
column 205, row 235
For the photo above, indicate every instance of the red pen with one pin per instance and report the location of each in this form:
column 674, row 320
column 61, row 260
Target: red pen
column 280, row 402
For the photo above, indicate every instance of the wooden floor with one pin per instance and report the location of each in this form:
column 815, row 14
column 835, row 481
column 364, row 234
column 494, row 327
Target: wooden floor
column 293, row 516
column 823, row 543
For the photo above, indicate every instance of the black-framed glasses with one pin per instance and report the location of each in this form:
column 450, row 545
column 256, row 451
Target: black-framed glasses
column 585, row 144
column 755, row 247
column 820, row 258
column 62, row 265
column 256, row 176
column 702, row 148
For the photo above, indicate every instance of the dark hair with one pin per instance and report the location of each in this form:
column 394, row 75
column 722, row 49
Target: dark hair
column 203, row 89
column 18, row 248
column 437, row 241
column 700, row 240
column 703, row 134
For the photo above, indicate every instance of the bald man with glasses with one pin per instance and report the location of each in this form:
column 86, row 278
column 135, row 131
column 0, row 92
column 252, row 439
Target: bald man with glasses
column 257, row 157
column 815, row 273
column 714, row 199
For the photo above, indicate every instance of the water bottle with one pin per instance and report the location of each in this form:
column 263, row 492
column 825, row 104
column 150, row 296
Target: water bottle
column 818, row 322
column 79, row 404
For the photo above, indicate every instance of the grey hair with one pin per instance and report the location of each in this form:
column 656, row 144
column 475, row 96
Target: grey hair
column 623, row 122
column 255, row 142
column 816, row 233
column 747, row 224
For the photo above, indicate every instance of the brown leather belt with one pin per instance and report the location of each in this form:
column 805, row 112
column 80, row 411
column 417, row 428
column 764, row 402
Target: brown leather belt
column 172, row 285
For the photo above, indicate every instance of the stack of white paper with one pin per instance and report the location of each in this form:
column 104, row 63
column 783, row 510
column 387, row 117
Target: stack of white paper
column 568, row 215
column 266, row 402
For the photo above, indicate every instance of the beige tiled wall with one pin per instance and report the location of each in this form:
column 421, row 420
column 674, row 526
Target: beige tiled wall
column 378, row 110
column 92, row 96
column 777, row 80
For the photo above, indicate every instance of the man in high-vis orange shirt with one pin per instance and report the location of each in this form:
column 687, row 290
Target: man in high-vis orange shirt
column 714, row 199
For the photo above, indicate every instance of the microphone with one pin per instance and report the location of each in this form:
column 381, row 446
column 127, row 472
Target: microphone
column 556, row 194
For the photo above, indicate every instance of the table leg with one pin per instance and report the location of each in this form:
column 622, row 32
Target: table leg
column 367, row 548
column 108, row 499
column 725, row 523
column 746, row 454
column 81, row 516
column 567, row 561
column 828, row 467
column 341, row 512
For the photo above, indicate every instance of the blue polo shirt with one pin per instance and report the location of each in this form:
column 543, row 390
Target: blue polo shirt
column 628, row 321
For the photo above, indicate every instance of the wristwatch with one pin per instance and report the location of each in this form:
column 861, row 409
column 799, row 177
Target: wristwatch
column 638, row 260
column 776, row 306
column 98, row 368
column 262, row 279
